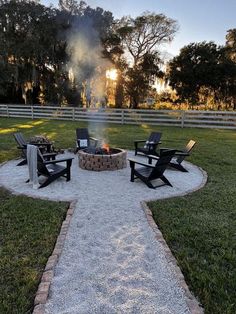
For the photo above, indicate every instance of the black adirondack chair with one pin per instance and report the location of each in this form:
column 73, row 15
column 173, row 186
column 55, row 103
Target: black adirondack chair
column 22, row 145
column 147, row 173
column 149, row 146
column 83, row 140
column 51, row 170
column 180, row 155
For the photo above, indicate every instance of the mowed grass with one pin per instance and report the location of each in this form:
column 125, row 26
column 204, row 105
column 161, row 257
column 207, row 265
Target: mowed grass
column 28, row 230
column 199, row 228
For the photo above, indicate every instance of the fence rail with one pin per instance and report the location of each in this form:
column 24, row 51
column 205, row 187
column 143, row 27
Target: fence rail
column 181, row 118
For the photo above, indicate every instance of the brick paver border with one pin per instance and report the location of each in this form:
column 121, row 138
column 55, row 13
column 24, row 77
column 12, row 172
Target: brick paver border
column 193, row 304
column 46, row 279
column 47, row 276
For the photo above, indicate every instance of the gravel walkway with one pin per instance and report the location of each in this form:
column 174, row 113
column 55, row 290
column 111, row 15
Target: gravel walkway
column 111, row 261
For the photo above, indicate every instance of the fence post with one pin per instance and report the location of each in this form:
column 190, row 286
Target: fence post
column 8, row 112
column 73, row 114
column 182, row 119
column 32, row 112
column 122, row 116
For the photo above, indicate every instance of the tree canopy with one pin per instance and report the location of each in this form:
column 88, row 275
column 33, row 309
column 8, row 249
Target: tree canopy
column 202, row 68
column 61, row 56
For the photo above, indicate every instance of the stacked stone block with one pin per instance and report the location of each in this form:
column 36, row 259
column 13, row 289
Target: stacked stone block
column 98, row 162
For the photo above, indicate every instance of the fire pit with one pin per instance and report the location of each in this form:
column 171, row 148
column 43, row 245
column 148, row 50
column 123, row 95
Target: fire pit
column 102, row 158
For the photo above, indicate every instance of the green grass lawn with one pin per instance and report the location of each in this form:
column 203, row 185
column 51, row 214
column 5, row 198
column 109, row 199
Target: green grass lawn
column 199, row 228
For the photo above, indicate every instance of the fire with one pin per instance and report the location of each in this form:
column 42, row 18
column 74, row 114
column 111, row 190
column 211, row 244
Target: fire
column 106, row 147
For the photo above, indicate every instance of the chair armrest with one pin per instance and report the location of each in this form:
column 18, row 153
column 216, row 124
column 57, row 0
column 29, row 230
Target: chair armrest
column 177, row 152
column 181, row 154
column 49, row 154
column 133, row 161
column 93, row 138
column 57, row 160
column 152, row 156
column 167, row 148
column 140, row 141
column 153, row 144
column 40, row 144
column 22, row 147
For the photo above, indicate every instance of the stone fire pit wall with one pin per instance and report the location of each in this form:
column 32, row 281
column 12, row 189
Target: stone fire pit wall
column 98, row 162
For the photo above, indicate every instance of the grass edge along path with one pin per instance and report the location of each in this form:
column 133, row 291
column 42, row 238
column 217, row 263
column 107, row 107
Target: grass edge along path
column 200, row 227
column 29, row 228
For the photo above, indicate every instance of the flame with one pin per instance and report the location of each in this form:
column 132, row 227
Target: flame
column 106, row 147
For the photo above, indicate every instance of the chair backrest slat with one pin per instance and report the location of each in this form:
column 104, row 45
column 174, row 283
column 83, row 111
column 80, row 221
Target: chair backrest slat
column 163, row 162
column 155, row 137
column 82, row 134
column 187, row 150
column 42, row 169
column 20, row 138
column 189, row 146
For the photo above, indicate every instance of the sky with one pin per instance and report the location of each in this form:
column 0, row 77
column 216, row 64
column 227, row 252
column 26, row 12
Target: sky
column 199, row 20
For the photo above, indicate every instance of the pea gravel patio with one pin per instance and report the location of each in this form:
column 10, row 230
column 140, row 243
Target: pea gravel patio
column 111, row 261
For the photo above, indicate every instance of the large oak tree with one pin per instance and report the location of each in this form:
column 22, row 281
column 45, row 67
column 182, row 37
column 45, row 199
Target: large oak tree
column 137, row 42
column 202, row 67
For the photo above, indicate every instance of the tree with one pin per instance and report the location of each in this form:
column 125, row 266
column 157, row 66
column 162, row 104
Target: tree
column 36, row 48
column 192, row 68
column 202, row 69
column 141, row 77
column 231, row 44
column 140, row 39
column 27, row 41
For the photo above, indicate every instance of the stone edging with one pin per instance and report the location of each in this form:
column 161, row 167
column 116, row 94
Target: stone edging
column 192, row 302
column 47, row 276
column 46, row 279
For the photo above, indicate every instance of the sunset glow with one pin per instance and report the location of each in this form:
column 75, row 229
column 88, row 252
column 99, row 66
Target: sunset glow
column 112, row 74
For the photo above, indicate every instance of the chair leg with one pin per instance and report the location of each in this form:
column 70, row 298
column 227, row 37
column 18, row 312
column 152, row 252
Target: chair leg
column 132, row 166
column 22, row 162
column 47, row 182
column 132, row 175
column 68, row 166
column 178, row 167
column 164, row 179
column 68, row 174
column 136, row 148
column 149, row 184
column 149, row 160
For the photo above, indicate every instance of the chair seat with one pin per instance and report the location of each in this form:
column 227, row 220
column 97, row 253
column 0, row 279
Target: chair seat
column 145, row 172
column 147, row 151
column 55, row 169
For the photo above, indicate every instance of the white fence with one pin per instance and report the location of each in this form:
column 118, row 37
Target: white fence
column 181, row 118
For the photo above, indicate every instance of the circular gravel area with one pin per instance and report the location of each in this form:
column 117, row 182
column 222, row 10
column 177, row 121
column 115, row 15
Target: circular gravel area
column 111, row 261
